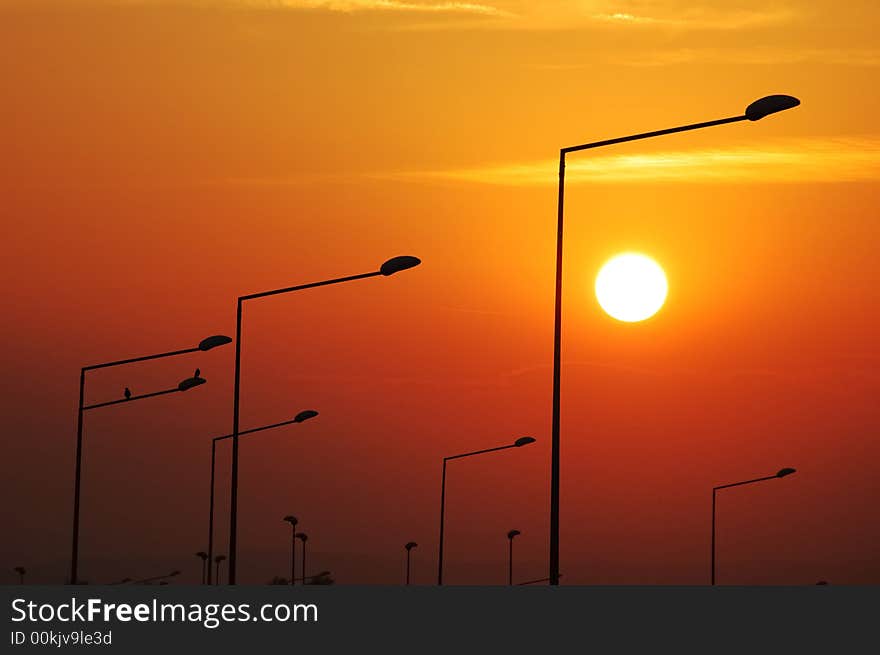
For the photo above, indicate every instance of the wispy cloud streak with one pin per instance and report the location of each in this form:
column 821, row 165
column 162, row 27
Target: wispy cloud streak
column 813, row 160
column 342, row 6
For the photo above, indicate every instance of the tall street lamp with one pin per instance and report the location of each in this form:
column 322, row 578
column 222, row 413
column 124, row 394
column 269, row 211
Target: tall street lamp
column 522, row 441
column 184, row 385
column 390, row 267
column 510, row 536
column 21, row 573
column 205, row 344
column 409, row 546
column 299, row 418
column 781, row 473
column 755, row 111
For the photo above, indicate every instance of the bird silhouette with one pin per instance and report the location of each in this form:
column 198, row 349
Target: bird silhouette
column 196, row 374
column 127, row 393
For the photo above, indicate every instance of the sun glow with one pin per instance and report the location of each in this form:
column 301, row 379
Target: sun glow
column 631, row 287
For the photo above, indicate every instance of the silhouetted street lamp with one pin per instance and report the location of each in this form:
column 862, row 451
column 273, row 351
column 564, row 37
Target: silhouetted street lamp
column 522, row 441
column 510, row 536
column 184, row 385
column 779, row 474
column 204, row 345
column 21, row 572
column 409, row 546
column 202, row 555
column 390, row 267
column 305, row 415
column 303, row 537
column 293, row 523
column 755, row 111
column 217, row 560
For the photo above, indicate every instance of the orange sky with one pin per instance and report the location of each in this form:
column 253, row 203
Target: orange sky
column 162, row 157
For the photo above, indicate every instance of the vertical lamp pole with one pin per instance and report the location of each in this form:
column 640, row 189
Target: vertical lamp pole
column 409, row 546
column 522, row 441
column 202, row 555
column 303, row 537
column 390, row 267
column 755, row 111
column 510, row 536
column 299, row 418
column 205, row 344
column 293, row 523
column 779, row 474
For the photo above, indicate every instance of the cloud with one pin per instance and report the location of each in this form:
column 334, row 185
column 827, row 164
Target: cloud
column 803, row 160
column 342, row 6
column 700, row 19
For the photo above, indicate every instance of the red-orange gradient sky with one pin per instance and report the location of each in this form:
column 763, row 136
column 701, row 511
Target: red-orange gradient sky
column 161, row 157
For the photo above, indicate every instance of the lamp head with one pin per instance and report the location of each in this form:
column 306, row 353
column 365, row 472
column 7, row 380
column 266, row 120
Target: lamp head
column 219, row 558
column 302, row 536
column 202, row 554
column 770, row 105
column 410, row 545
column 212, row 342
column 291, row 519
column 523, row 441
column 173, row 573
column 397, row 264
column 786, row 471
column 513, row 533
column 189, row 383
column 305, row 415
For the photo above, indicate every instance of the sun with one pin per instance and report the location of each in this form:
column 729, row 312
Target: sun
column 631, row 287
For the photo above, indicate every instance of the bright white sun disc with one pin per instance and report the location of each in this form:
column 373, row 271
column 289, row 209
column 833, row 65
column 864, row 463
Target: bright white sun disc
column 631, row 287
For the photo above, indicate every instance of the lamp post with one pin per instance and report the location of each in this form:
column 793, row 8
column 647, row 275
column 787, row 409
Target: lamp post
column 409, row 546
column 303, row 537
column 202, row 555
column 293, row 523
column 299, row 418
column 204, row 345
column 510, row 536
column 184, row 385
column 779, row 474
column 755, row 111
column 390, row 267
column 217, row 560
column 522, row 441
column 21, row 572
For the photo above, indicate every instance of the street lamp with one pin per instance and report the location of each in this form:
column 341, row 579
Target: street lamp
column 390, row 267
column 205, row 344
column 781, row 473
column 184, row 385
column 755, row 111
column 21, row 572
column 293, row 523
column 303, row 537
column 409, row 546
column 202, row 555
column 217, row 560
column 510, row 536
column 299, row 418
column 522, row 441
